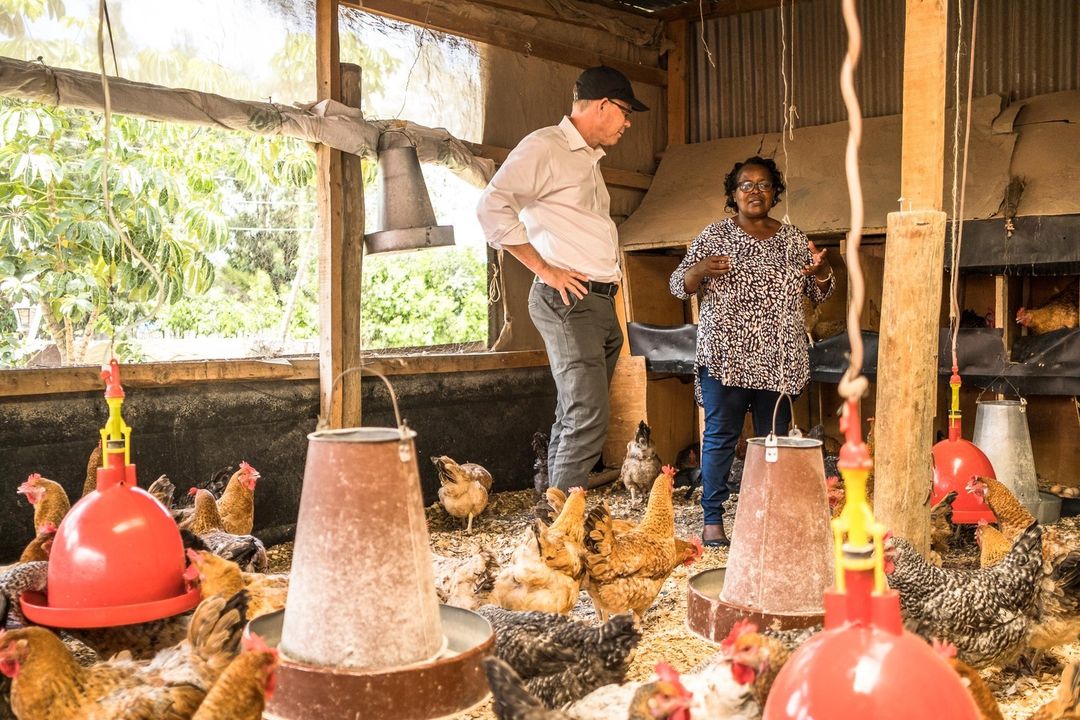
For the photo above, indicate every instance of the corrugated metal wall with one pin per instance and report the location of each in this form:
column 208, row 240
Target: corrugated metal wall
column 1023, row 48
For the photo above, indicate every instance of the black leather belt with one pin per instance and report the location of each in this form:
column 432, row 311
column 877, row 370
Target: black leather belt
column 600, row 288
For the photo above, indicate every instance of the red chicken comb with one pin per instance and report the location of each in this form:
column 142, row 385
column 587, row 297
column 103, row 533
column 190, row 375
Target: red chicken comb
column 254, row 643
column 579, row 489
column 666, row 672
column 699, row 550
column 30, row 483
column 831, row 481
column 193, row 491
column 737, row 631
column 944, row 648
column 669, row 470
column 249, row 470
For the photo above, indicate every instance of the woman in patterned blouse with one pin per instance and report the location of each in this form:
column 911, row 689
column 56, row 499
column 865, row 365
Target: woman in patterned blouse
column 750, row 272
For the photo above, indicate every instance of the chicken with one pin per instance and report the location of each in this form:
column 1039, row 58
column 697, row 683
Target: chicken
column 688, row 468
column 687, row 552
column 836, row 494
column 941, row 527
column 246, row 551
column 1058, row 606
column 95, row 461
column 40, row 547
column 1066, row 702
column 986, row 613
column 993, row 545
column 247, row 683
column 163, row 491
column 218, row 576
column 47, row 683
column 545, row 570
column 625, row 572
column 465, row 582
column 978, row 689
column 540, row 464
column 48, row 498
column 641, row 465
column 1060, row 311
column 17, row 579
column 560, row 660
column 662, row 699
column 463, row 488
column 756, row 659
column 237, row 504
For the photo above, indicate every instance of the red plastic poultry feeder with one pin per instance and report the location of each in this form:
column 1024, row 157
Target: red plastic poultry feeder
column 117, row 558
column 956, row 461
column 864, row 664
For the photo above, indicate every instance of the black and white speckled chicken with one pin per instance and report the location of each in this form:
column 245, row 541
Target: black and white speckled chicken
column 641, row 465
column 17, row 579
column 987, row 613
column 559, row 659
column 540, row 463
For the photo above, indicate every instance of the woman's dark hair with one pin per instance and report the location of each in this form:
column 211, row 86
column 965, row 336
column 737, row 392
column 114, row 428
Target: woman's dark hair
column 732, row 179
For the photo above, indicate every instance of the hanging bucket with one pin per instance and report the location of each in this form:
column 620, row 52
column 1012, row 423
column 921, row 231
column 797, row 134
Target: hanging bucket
column 781, row 558
column 1001, row 432
column 362, row 590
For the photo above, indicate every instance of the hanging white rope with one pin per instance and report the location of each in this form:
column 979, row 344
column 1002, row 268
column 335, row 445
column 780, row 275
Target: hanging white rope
column 853, row 385
column 704, row 42
column 958, row 210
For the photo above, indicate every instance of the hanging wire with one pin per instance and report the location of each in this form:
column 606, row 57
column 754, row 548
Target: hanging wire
column 783, row 77
column 704, row 42
column 853, row 385
column 958, row 215
column 419, row 51
column 103, row 24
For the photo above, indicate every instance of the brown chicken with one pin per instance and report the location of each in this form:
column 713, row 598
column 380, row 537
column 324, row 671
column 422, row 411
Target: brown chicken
column 970, row 677
column 237, row 504
column 993, row 545
column 163, row 491
column 48, row 498
column 246, row 551
column 41, row 545
column 218, row 576
column 463, row 488
column 941, row 527
column 641, row 465
column 756, row 659
column 465, row 582
column 625, row 572
column 47, row 682
column 1066, row 702
column 247, row 683
column 92, row 464
column 1060, row 311
column 545, row 570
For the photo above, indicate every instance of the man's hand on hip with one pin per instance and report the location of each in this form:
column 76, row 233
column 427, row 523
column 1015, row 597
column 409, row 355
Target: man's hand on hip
column 563, row 281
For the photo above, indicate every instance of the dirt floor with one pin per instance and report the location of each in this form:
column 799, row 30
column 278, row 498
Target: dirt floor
column 665, row 635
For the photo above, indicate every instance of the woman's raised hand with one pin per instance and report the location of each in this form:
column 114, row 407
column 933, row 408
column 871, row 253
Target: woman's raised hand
column 714, row 266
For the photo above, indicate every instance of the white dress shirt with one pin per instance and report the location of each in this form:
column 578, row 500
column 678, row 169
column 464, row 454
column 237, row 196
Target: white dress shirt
column 549, row 192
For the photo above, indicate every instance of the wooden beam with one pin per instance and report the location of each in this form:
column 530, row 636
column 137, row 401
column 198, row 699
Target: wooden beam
column 352, row 257
column 922, row 162
column 716, row 8
column 331, row 219
column 612, row 176
column 518, row 41
column 907, row 381
column 542, row 9
column 57, row 381
column 677, row 90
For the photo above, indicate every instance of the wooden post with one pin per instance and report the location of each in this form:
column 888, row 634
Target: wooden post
column 676, row 84
column 907, row 379
column 339, row 333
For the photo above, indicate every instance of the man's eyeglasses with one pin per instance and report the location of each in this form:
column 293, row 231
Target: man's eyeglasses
column 762, row 185
column 625, row 110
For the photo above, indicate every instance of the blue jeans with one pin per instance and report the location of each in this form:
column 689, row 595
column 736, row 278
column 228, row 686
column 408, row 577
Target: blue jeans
column 725, row 410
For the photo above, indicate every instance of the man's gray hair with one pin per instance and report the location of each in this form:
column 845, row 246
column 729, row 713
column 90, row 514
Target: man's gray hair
column 583, row 105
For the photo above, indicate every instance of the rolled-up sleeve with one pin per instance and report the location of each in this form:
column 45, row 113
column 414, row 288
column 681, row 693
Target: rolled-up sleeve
column 523, row 178
column 697, row 252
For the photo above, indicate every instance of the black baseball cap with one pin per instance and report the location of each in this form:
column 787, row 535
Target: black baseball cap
column 605, row 82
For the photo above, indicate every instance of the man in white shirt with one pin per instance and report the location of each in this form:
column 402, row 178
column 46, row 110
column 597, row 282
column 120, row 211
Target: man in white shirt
column 549, row 208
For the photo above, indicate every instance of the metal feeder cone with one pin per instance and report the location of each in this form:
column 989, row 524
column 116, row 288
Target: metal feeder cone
column 117, row 558
column 780, row 560
column 956, row 461
column 864, row 664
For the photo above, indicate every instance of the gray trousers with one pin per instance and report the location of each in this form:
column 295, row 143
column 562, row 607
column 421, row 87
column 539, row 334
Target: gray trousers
column 583, row 340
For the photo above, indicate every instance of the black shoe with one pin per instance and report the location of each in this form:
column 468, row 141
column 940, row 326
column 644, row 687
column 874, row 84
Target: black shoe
column 714, row 536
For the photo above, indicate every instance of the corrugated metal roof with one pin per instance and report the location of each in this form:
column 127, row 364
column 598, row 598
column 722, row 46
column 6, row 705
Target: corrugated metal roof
column 1023, row 48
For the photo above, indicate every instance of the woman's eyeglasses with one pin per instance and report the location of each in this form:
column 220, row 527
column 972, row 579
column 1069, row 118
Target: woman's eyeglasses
column 762, row 185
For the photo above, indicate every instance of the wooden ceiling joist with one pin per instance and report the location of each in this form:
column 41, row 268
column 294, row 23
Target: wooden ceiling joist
column 716, row 8
column 522, row 42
